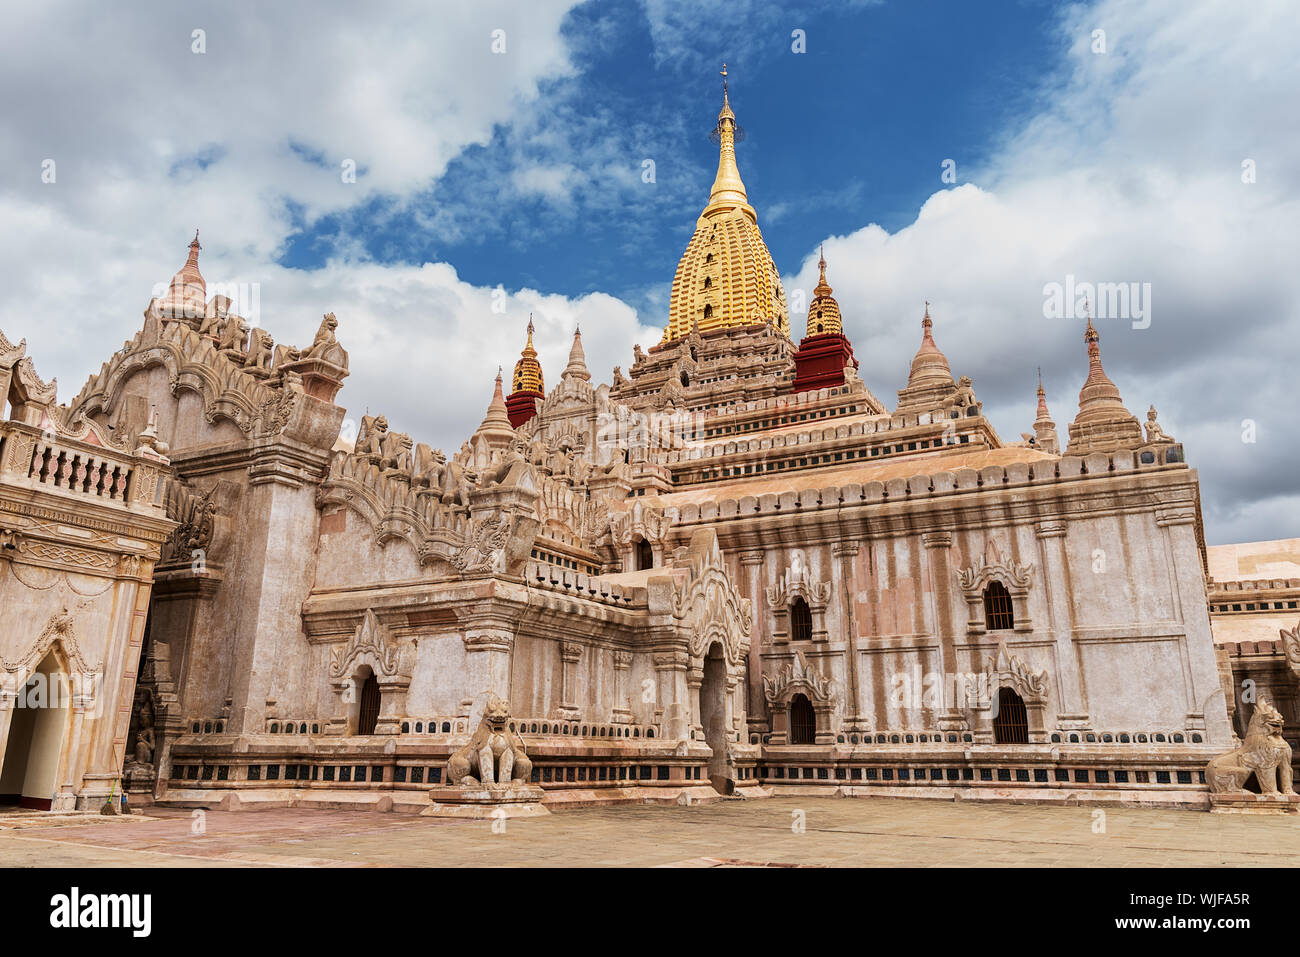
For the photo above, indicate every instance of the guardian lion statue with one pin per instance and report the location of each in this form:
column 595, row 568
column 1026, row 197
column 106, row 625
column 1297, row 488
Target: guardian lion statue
column 495, row 753
column 1264, row 754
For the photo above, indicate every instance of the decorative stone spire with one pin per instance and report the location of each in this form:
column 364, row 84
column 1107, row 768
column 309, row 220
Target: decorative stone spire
column 929, row 366
column 1045, row 438
column 495, row 426
column 1103, row 423
column 728, row 188
column 187, row 296
column 577, row 367
column 930, row 384
column 1099, row 396
column 823, row 312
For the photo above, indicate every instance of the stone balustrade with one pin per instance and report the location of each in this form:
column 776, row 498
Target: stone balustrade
column 580, row 585
column 37, row 458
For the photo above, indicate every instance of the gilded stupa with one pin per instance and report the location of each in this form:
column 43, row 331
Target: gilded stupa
column 726, row 276
column 521, row 404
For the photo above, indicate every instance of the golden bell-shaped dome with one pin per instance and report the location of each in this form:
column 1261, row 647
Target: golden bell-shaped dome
column 824, row 312
column 726, row 276
column 528, row 371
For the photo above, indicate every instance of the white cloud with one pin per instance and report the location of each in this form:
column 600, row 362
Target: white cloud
column 1130, row 173
column 245, row 140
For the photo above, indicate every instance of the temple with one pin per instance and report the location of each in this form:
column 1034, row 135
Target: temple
column 733, row 569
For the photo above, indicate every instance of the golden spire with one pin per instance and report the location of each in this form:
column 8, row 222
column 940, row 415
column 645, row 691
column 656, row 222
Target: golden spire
column 726, row 277
column 528, row 371
column 823, row 287
column 728, row 188
column 824, row 311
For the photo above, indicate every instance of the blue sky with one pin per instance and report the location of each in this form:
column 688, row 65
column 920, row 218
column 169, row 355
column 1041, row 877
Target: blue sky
column 852, row 130
column 521, row 171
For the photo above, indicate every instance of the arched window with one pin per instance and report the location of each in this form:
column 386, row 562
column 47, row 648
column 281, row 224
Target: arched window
column 708, row 282
column 803, row 720
column 1010, row 724
column 708, row 311
column 997, row 607
column 369, row 714
column 800, row 620
column 645, row 555
column 686, row 380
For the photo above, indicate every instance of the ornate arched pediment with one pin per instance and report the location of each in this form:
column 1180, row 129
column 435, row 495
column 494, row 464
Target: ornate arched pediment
column 1007, row 670
column 640, row 521
column 374, row 645
column 393, row 509
column 797, row 581
column 1015, row 575
column 795, row 677
column 59, row 634
column 709, row 604
column 194, row 363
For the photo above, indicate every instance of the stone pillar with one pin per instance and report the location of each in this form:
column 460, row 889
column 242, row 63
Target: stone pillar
column 694, row 681
column 488, row 651
column 1072, row 709
column 570, row 654
column 844, row 553
column 392, row 703
column 671, row 666
column 780, row 722
column 752, row 562
column 66, row 798
column 940, row 617
column 622, row 664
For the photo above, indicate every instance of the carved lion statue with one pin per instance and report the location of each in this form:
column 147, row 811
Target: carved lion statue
column 1264, row 754
column 259, row 351
column 456, row 484
column 494, row 756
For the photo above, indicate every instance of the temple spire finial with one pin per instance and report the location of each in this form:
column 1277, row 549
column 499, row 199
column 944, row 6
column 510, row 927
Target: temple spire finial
column 728, row 188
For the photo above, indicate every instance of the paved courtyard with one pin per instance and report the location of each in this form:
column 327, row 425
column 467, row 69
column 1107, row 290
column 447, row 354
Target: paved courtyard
column 836, row 832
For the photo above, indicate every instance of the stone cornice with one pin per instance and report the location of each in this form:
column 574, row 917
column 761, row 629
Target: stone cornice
column 1173, row 490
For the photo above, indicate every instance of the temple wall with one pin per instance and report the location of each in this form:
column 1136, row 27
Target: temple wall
column 1114, row 613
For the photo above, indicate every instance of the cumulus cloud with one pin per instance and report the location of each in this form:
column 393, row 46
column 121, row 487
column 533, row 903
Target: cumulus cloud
column 1131, row 172
column 247, row 139
column 1128, row 170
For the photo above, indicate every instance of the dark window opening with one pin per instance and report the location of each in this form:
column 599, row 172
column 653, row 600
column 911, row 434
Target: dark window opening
column 1011, row 725
column 645, row 556
column 803, row 720
column 369, row 716
column 997, row 607
column 800, row 620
